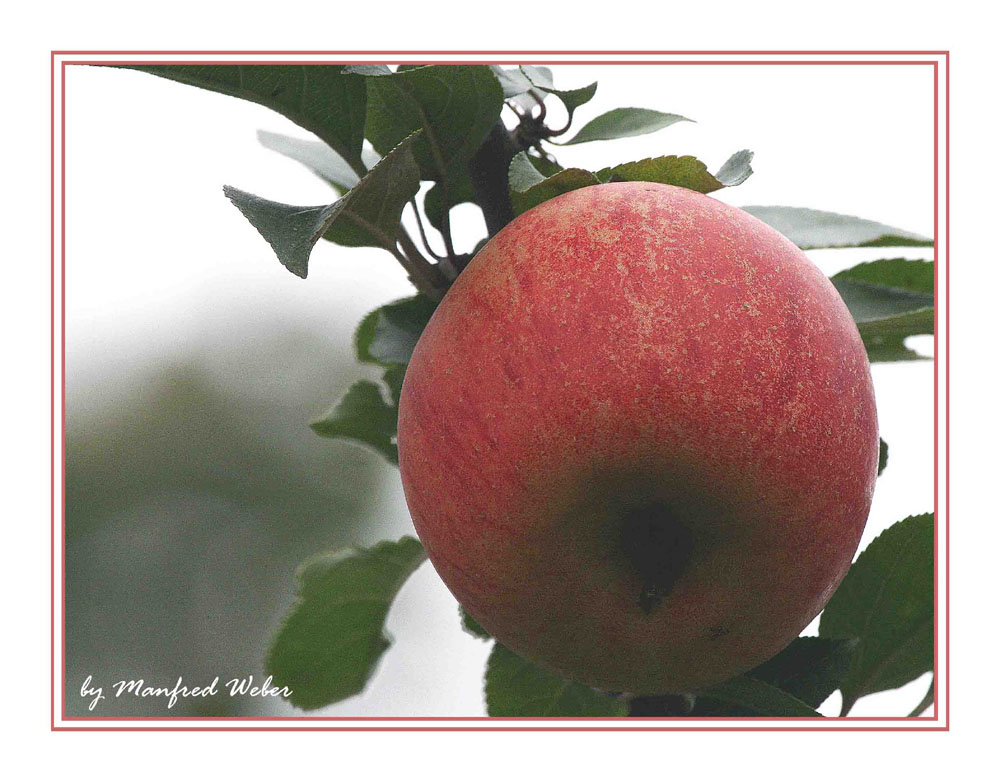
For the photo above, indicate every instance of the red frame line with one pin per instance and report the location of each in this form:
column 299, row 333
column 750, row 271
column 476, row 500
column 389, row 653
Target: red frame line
column 947, row 391
column 494, row 720
column 52, row 381
column 936, row 267
column 507, row 729
column 502, row 62
column 515, row 52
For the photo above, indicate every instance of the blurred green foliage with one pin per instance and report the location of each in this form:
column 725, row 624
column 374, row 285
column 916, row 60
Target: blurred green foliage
column 191, row 496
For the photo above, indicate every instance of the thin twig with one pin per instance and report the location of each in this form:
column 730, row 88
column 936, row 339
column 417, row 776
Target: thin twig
column 425, row 275
column 439, row 164
column 423, row 234
column 446, row 221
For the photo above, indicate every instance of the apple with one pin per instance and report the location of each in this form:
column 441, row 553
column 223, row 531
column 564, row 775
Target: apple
column 638, row 438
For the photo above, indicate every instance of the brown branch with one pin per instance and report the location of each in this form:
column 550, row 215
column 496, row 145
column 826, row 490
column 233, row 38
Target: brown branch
column 488, row 172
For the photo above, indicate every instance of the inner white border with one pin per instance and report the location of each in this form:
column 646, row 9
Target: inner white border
column 313, row 723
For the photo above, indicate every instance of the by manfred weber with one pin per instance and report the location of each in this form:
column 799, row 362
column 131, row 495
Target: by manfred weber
column 138, row 687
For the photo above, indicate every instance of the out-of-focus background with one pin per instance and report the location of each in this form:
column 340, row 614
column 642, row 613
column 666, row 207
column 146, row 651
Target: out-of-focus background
column 194, row 362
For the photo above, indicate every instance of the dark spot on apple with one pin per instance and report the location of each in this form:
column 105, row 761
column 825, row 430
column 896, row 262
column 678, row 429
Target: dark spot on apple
column 717, row 632
column 659, row 547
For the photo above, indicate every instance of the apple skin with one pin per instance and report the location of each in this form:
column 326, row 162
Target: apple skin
column 626, row 347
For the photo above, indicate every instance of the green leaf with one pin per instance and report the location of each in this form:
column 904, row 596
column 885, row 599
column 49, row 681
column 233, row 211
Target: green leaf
column 622, row 123
column 471, row 626
column 367, row 216
column 883, row 454
column 809, row 669
column 736, row 170
column 884, row 339
column 522, row 173
column 512, row 81
column 461, row 192
column 518, row 688
column 369, row 69
column 812, row 229
column 517, row 87
column 890, row 300
column 528, row 188
column 887, row 601
column 541, row 78
column 317, row 157
column 292, row 231
column 454, row 105
column 319, row 98
column 393, row 379
column 362, row 415
column 760, row 697
column 328, row 646
column 385, row 337
column 895, row 273
column 314, row 155
column 545, row 166
column 880, row 289
column 388, row 335
column 684, row 171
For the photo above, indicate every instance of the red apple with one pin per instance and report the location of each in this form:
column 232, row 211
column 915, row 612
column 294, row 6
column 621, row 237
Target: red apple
column 638, row 438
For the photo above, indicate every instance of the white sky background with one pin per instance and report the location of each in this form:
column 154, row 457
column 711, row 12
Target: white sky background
column 159, row 261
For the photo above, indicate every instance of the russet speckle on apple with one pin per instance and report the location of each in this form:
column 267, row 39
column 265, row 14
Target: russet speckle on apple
column 638, row 438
